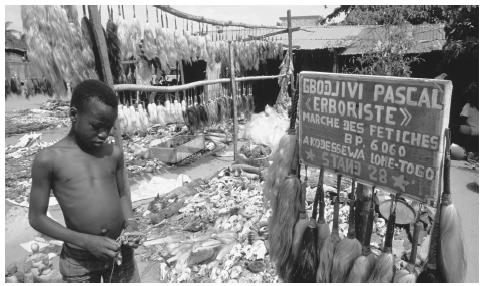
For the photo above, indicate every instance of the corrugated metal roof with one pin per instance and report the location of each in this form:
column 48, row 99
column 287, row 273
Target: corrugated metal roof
column 427, row 38
column 355, row 39
column 358, row 39
column 323, row 37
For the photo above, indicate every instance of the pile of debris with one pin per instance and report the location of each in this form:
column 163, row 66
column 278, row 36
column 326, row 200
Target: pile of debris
column 140, row 166
column 216, row 230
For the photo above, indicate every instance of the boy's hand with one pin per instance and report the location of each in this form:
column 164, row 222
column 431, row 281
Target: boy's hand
column 102, row 247
column 132, row 236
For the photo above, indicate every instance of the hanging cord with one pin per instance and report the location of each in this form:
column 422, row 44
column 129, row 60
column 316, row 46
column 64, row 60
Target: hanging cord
column 118, row 256
column 123, row 11
column 295, row 100
column 318, row 195
column 84, row 10
column 175, row 23
column 157, row 14
column 133, row 8
column 146, row 14
column 166, row 21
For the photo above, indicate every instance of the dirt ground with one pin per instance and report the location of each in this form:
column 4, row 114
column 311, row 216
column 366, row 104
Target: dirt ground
column 464, row 187
column 18, row 230
column 17, row 227
column 465, row 195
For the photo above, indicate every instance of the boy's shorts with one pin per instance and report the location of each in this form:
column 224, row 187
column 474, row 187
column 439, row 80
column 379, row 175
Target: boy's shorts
column 80, row 266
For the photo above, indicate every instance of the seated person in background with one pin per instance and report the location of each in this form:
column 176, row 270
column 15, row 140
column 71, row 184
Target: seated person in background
column 86, row 176
column 470, row 120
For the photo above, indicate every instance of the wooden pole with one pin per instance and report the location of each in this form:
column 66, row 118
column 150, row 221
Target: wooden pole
column 292, row 89
column 181, row 71
column 181, row 14
column 233, row 95
column 250, row 38
column 150, row 88
column 99, row 40
column 100, row 43
column 289, row 29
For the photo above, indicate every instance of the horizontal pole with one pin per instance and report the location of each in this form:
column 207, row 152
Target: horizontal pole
column 176, row 88
column 250, row 37
column 184, row 15
column 260, row 77
column 172, row 88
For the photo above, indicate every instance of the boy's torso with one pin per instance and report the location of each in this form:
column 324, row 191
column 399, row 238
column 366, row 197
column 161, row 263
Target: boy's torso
column 86, row 188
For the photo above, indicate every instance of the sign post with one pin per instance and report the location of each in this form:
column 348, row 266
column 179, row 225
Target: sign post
column 383, row 131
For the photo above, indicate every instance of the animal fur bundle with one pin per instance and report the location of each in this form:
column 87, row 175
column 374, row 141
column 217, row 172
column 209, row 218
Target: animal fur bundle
column 384, row 267
column 280, row 168
column 326, row 254
column 56, row 48
column 452, row 260
column 347, row 250
column 282, row 222
column 304, row 259
column 306, row 262
column 113, row 45
column 323, row 231
column 363, row 265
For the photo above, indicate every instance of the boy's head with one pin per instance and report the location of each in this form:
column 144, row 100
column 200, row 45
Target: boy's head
column 94, row 108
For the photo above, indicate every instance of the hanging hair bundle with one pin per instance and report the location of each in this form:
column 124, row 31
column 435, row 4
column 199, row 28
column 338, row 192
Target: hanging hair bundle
column 305, row 260
column 323, row 231
column 298, row 235
column 280, row 167
column 452, row 259
column 327, row 252
column 384, row 267
column 348, row 249
column 282, row 222
column 305, row 268
column 363, row 265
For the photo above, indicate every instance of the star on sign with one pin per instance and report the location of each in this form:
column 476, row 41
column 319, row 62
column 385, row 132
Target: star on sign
column 310, row 155
column 400, row 182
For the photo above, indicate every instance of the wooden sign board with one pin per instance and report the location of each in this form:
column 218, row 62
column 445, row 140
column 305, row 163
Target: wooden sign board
column 384, row 131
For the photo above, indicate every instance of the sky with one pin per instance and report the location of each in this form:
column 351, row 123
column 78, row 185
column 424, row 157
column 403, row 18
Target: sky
column 250, row 14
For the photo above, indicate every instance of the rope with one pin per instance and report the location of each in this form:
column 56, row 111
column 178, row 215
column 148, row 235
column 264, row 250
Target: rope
column 115, row 258
column 293, row 108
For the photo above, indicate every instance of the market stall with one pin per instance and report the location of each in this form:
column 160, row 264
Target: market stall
column 307, row 213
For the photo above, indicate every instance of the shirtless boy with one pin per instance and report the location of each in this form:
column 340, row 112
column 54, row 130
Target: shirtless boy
column 86, row 176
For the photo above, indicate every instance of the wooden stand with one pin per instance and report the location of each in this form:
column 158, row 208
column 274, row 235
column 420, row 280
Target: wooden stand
column 233, row 95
